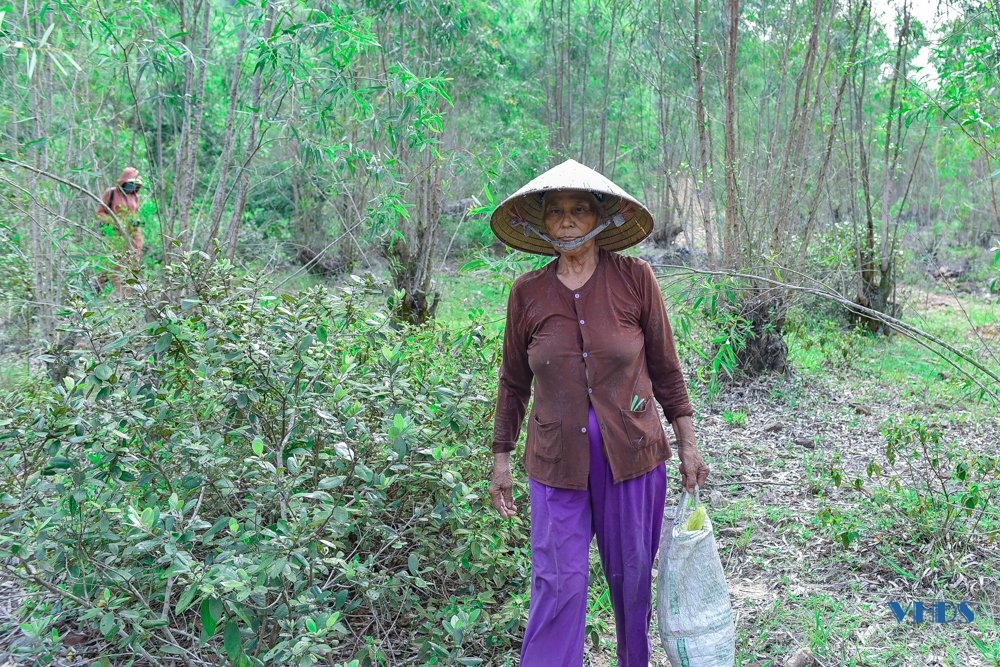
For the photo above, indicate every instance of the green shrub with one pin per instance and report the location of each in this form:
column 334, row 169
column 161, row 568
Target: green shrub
column 252, row 479
column 922, row 495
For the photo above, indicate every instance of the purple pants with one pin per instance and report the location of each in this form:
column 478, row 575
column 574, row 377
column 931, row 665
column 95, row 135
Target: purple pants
column 626, row 518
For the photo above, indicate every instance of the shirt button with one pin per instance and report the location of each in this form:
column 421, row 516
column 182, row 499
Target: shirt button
column 576, row 296
column 586, row 354
column 583, row 430
column 583, row 322
column 590, row 390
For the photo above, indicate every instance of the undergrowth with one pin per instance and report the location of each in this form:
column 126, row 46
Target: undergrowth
column 249, row 479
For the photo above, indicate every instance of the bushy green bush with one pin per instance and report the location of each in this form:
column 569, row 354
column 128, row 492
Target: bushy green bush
column 254, row 479
column 921, row 494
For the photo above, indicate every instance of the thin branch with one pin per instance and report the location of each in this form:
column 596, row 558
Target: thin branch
column 58, row 179
column 916, row 334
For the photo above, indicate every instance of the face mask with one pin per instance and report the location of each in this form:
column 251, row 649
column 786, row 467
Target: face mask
column 129, row 187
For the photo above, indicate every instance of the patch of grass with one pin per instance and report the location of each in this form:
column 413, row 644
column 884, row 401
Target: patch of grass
column 13, row 372
column 850, row 631
column 732, row 515
column 819, row 622
column 816, row 345
column 599, row 612
column 466, row 295
column 788, row 393
column 734, row 417
column 987, row 643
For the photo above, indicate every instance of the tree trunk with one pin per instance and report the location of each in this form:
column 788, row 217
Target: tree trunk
column 607, row 89
column 229, row 139
column 701, row 121
column 731, row 239
column 45, row 283
column 252, row 145
column 411, row 254
column 186, row 161
column 876, row 265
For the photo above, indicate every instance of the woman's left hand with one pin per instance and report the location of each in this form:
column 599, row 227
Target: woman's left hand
column 693, row 468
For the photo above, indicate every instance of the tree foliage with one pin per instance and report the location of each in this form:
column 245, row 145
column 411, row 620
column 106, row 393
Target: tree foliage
column 217, row 480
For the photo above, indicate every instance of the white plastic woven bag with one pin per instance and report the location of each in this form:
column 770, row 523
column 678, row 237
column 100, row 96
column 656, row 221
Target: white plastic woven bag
column 693, row 608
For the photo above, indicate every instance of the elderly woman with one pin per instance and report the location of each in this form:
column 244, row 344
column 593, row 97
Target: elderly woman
column 590, row 333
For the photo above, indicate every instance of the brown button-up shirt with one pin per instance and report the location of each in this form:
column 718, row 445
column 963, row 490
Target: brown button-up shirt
column 606, row 344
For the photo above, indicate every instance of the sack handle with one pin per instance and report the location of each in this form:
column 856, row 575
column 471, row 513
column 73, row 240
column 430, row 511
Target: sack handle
column 681, row 512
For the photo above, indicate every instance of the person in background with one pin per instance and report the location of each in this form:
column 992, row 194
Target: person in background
column 123, row 200
column 588, row 335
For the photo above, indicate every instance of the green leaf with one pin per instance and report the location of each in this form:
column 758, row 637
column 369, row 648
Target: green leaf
column 220, row 523
column 231, row 639
column 328, row 483
column 103, row 372
column 72, row 62
column 117, row 343
column 257, row 446
column 185, row 600
column 55, row 61
column 191, row 481
column 163, row 342
column 474, row 265
column 310, row 625
column 148, row 517
column 209, row 621
column 48, row 33
column 107, row 625
column 413, row 563
column 60, row 463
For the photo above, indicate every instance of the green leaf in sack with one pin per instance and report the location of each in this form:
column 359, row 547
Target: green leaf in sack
column 697, row 519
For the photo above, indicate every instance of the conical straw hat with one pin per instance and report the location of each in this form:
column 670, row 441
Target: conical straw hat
column 514, row 218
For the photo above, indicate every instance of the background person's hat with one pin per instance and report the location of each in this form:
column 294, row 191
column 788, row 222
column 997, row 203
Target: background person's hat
column 518, row 218
column 130, row 175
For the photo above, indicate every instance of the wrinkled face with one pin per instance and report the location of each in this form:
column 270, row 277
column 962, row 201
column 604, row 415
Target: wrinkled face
column 569, row 214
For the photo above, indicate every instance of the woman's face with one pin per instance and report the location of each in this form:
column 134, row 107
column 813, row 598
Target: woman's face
column 569, row 214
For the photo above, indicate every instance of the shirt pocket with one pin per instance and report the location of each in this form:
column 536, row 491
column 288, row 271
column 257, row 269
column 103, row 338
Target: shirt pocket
column 638, row 429
column 548, row 439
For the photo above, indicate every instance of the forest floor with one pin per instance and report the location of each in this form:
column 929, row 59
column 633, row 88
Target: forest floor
column 795, row 589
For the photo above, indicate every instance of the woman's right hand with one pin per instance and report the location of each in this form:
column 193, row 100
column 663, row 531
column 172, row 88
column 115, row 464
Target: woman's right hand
column 502, row 486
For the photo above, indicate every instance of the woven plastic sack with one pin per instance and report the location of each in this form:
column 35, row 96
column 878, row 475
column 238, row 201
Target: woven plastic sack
column 693, row 609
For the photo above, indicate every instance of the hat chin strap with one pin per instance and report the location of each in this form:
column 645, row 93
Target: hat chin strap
column 567, row 246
